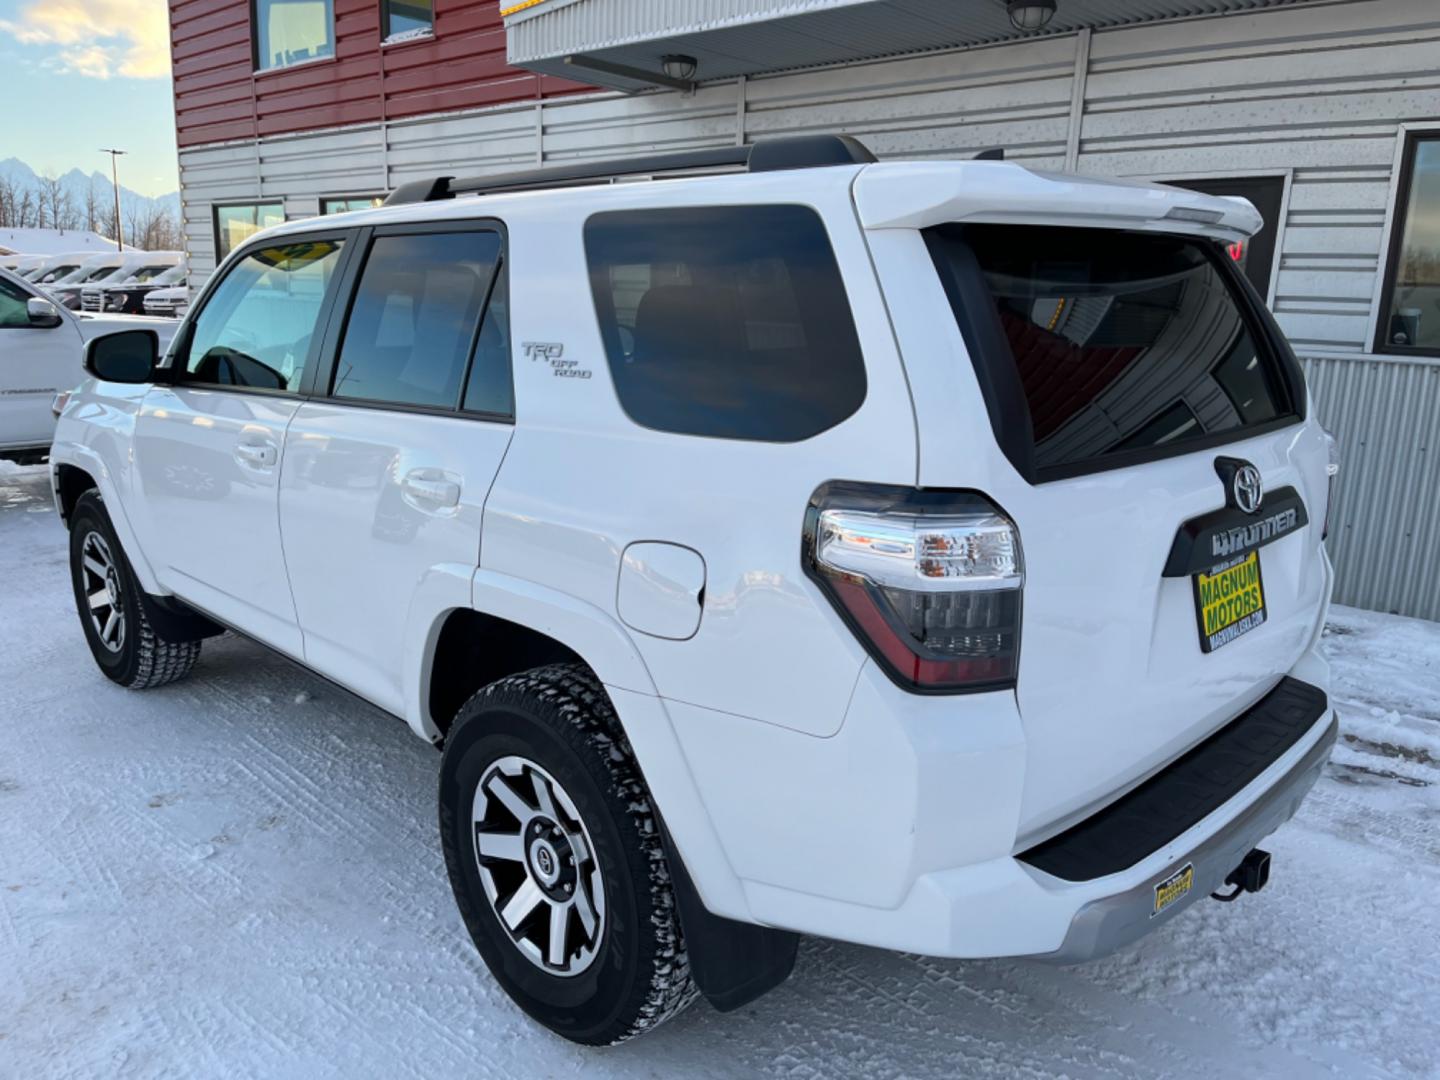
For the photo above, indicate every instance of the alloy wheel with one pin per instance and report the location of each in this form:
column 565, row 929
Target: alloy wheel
column 538, row 866
column 100, row 582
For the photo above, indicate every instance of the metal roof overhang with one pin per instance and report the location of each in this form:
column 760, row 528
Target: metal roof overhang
column 619, row 43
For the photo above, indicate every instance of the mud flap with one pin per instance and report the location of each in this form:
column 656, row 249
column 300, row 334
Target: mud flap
column 732, row 963
column 175, row 621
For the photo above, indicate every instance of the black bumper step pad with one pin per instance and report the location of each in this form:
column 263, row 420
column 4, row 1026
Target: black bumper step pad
column 1184, row 792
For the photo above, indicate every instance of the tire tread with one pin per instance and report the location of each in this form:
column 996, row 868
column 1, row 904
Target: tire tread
column 592, row 728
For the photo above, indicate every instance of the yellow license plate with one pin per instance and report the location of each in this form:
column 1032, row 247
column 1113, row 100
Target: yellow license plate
column 1229, row 601
column 1173, row 888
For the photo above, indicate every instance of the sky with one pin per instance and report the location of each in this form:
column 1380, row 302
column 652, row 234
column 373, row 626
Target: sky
column 81, row 74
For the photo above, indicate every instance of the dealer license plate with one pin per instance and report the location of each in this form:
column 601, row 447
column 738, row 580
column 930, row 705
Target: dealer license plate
column 1229, row 601
column 1173, row 888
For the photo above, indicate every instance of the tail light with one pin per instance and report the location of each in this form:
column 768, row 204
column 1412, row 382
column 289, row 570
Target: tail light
column 1332, row 470
column 929, row 581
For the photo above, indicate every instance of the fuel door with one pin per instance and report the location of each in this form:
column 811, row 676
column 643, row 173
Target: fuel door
column 662, row 589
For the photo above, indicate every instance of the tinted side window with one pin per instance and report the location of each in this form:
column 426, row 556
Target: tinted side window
column 413, row 321
column 491, row 386
column 257, row 326
column 726, row 321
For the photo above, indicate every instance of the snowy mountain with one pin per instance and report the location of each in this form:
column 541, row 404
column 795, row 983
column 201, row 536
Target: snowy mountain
column 78, row 185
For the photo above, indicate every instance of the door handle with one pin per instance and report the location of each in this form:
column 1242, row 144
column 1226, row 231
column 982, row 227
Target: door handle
column 439, row 493
column 260, row 455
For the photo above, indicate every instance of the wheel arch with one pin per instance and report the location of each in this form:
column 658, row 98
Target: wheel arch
column 500, row 625
column 77, row 469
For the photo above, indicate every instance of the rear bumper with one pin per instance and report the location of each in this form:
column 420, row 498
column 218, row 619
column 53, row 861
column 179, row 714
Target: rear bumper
column 904, row 836
column 1107, row 923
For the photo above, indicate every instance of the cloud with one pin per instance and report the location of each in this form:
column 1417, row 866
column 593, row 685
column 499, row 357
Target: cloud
column 98, row 38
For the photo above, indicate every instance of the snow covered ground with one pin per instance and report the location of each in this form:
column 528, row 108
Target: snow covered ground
column 239, row 876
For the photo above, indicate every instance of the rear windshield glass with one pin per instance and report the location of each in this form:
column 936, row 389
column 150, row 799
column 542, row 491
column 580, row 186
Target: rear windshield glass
column 1124, row 343
column 726, row 321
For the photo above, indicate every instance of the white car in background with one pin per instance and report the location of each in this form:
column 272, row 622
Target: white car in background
column 128, row 297
column 168, row 303
column 24, row 265
column 56, row 268
column 41, row 349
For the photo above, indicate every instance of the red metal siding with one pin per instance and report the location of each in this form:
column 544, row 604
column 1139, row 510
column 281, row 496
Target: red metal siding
column 219, row 96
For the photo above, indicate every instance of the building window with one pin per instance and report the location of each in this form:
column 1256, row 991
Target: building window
column 292, row 32
column 341, row 204
column 406, row 18
column 1410, row 300
column 237, row 222
column 1256, row 254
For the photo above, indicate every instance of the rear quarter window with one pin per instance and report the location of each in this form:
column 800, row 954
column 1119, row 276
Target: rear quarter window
column 1120, row 347
column 729, row 322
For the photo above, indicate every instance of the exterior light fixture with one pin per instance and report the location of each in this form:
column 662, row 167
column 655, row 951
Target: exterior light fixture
column 680, row 67
column 1030, row 14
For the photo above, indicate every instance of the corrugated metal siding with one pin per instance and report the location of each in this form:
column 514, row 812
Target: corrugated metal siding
column 218, row 96
column 1385, row 530
column 1314, row 93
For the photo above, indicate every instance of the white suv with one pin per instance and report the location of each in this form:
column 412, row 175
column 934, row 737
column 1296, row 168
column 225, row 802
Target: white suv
column 926, row 555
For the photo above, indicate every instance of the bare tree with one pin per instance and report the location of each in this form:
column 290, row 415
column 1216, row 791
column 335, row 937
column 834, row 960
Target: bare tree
column 105, row 217
column 25, row 209
column 92, row 207
column 152, row 227
column 52, row 196
column 9, row 194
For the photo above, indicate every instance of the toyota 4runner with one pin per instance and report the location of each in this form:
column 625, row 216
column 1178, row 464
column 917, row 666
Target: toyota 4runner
column 926, row 554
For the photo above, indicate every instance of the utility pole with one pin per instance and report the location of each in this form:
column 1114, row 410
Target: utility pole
column 115, row 183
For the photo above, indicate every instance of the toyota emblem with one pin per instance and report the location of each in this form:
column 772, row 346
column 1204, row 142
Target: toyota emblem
column 1247, row 489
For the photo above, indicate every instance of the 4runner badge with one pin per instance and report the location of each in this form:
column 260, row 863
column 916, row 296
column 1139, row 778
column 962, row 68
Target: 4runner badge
column 552, row 353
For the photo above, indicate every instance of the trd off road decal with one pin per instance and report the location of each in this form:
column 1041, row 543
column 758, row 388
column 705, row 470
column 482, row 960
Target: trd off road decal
column 552, row 353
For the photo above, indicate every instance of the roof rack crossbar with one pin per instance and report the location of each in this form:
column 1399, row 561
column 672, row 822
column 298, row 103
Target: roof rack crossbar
column 770, row 155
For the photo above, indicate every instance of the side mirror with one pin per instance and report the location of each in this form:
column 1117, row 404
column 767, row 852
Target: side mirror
column 126, row 356
column 44, row 315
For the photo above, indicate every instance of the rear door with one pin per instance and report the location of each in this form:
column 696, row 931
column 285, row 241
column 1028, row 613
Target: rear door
column 388, row 466
column 1125, row 376
column 209, row 443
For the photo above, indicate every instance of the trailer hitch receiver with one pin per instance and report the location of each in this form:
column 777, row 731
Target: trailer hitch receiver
column 1252, row 875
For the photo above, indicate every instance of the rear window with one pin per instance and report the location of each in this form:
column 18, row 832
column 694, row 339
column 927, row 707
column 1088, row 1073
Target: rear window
column 1124, row 346
column 726, row 321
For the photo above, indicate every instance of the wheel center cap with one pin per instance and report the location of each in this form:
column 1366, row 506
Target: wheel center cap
column 112, row 588
column 545, row 861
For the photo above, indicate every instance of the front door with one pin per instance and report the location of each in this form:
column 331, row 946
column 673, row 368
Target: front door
column 209, row 443
column 387, row 467
column 35, row 363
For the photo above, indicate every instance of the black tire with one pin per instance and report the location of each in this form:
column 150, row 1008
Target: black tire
column 560, row 718
column 134, row 655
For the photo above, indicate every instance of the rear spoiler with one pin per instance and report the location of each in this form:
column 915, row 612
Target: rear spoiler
column 917, row 195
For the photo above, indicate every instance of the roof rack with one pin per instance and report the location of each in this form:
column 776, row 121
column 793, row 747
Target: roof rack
column 768, row 155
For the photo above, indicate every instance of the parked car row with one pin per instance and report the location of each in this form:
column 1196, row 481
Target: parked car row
column 128, row 296
column 109, row 282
